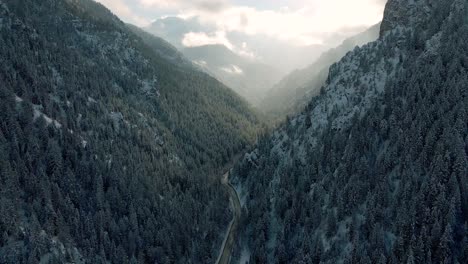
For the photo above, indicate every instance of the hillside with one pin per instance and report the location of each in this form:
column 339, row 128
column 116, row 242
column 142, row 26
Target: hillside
column 293, row 92
column 110, row 143
column 374, row 170
column 161, row 47
column 246, row 77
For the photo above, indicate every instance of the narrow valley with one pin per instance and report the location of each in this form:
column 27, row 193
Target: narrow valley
column 233, row 132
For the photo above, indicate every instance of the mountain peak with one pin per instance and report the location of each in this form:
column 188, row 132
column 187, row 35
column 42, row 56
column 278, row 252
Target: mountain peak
column 407, row 13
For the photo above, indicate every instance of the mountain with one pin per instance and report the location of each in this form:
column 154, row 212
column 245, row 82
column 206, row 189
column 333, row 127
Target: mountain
column 265, row 48
column 250, row 76
column 293, row 92
column 161, row 47
column 375, row 169
column 246, row 77
column 173, row 29
column 111, row 143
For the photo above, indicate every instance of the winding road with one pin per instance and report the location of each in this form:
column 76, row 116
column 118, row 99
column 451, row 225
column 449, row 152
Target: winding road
column 230, row 239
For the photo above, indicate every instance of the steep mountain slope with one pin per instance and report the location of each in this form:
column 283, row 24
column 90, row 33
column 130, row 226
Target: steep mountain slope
column 173, row 29
column 160, row 46
column 246, row 77
column 109, row 150
column 294, row 91
column 375, row 169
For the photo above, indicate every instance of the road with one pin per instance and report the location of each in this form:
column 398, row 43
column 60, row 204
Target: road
column 230, row 240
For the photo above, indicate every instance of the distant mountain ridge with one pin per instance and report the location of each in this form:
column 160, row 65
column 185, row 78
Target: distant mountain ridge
column 293, row 56
column 293, row 92
column 248, row 78
column 251, row 77
column 160, row 46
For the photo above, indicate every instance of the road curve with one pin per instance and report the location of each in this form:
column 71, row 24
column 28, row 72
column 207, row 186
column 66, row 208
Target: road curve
column 229, row 241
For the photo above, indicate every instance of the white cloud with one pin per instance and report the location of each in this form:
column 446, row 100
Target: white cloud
column 125, row 12
column 196, row 39
column 201, row 63
column 233, row 69
column 307, row 25
column 204, row 5
column 302, row 21
column 244, row 51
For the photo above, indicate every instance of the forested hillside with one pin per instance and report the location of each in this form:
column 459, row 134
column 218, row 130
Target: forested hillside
column 375, row 169
column 109, row 149
column 290, row 95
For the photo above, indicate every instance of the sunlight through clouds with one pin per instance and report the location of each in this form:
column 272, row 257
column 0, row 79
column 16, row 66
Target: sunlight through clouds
column 303, row 22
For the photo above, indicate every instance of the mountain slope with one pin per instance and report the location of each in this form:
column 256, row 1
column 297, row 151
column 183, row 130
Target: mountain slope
column 293, row 92
column 375, row 168
column 173, row 29
column 246, row 77
column 161, row 47
column 110, row 150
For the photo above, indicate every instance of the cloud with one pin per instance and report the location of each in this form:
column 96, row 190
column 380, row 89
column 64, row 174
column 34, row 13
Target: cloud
column 125, row 12
column 303, row 22
column 201, row 5
column 196, row 39
column 201, row 63
column 245, row 51
column 233, row 69
column 307, row 25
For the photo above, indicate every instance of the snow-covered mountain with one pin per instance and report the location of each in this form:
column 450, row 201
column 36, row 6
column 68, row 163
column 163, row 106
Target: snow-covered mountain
column 374, row 170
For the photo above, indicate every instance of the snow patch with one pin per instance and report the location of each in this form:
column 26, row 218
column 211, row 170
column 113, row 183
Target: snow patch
column 201, row 63
column 48, row 120
column 91, row 100
column 245, row 256
column 150, row 87
column 242, row 194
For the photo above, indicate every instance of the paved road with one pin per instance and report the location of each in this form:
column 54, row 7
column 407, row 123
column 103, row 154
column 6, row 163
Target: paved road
column 230, row 240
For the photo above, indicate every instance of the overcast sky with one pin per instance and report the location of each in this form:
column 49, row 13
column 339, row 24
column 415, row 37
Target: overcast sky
column 303, row 22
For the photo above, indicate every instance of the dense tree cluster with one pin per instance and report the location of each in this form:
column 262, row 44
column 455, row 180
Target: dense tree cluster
column 109, row 151
column 390, row 188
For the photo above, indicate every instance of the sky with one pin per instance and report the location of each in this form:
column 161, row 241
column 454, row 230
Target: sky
column 303, row 22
